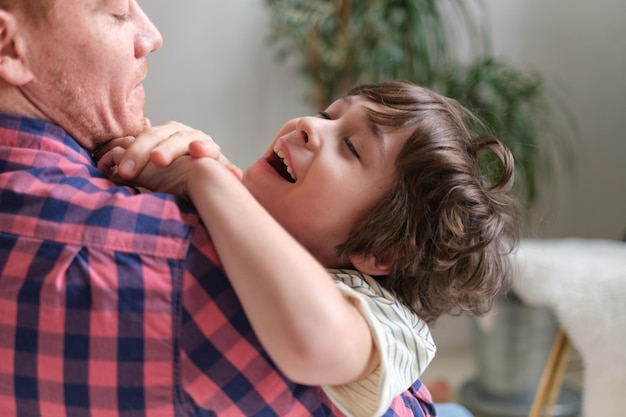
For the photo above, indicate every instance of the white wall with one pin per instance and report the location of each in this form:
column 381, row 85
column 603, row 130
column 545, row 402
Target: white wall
column 580, row 47
column 217, row 72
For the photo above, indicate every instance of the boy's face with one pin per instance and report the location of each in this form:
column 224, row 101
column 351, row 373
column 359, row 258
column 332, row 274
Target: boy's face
column 340, row 164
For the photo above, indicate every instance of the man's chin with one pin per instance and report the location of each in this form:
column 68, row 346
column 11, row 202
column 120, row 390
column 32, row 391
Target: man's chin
column 107, row 135
column 136, row 127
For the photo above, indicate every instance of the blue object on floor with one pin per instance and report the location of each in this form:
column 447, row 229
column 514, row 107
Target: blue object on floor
column 452, row 410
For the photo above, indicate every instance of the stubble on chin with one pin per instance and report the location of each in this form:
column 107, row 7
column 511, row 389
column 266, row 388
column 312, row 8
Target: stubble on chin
column 106, row 135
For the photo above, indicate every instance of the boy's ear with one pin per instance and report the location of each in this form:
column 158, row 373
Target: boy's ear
column 13, row 67
column 368, row 265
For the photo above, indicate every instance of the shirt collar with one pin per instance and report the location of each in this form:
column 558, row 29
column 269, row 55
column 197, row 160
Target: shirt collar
column 39, row 134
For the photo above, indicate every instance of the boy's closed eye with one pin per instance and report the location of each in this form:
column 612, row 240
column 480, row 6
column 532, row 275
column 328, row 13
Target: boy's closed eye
column 325, row 115
column 347, row 141
column 351, row 147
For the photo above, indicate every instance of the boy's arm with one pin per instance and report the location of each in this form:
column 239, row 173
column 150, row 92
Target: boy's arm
column 311, row 331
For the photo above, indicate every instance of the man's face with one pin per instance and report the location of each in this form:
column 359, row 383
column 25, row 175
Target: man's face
column 88, row 61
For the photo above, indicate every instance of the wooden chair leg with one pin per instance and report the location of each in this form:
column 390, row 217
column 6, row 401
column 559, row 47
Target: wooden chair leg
column 552, row 377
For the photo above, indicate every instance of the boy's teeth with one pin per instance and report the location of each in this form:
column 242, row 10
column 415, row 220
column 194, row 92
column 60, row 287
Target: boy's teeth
column 282, row 156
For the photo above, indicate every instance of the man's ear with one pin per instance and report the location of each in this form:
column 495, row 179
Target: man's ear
column 13, row 66
column 369, row 266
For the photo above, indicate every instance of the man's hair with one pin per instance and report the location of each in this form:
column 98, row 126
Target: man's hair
column 446, row 227
column 36, row 10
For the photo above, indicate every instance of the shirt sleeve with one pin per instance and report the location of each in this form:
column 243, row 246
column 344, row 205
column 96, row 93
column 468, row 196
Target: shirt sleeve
column 403, row 340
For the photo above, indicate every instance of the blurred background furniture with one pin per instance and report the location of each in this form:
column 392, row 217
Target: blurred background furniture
column 583, row 281
column 551, row 381
column 568, row 300
column 520, row 358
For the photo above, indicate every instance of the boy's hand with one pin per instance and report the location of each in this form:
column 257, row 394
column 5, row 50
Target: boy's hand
column 203, row 149
column 161, row 145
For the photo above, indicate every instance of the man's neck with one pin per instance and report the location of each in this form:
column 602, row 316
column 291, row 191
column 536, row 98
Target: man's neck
column 14, row 102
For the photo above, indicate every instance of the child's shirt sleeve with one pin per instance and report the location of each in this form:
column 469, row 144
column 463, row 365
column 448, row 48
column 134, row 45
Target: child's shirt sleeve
column 403, row 340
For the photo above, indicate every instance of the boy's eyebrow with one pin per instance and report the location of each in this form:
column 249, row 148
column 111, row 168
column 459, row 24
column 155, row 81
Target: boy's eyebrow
column 373, row 128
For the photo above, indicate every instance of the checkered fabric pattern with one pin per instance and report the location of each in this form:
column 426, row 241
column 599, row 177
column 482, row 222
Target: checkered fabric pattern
column 113, row 303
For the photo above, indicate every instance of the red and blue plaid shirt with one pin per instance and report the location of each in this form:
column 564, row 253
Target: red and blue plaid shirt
column 113, row 303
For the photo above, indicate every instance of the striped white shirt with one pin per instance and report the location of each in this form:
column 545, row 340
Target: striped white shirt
column 403, row 340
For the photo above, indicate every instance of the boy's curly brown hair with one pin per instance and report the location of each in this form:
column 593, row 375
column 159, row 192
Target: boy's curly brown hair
column 445, row 228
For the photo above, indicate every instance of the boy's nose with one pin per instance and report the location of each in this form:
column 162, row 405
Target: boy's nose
column 310, row 130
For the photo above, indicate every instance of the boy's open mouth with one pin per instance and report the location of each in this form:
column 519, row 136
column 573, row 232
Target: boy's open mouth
column 279, row 163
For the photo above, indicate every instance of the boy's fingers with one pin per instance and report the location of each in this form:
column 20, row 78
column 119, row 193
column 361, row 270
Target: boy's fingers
column 110, row 160
column 205, row 149
column 161, row 145
column 101, row 150
column 200, row 149
column 138, row 153
column 179, row 144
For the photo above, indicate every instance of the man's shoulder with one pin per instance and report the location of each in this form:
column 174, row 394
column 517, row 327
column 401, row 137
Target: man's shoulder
column 71, row 203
